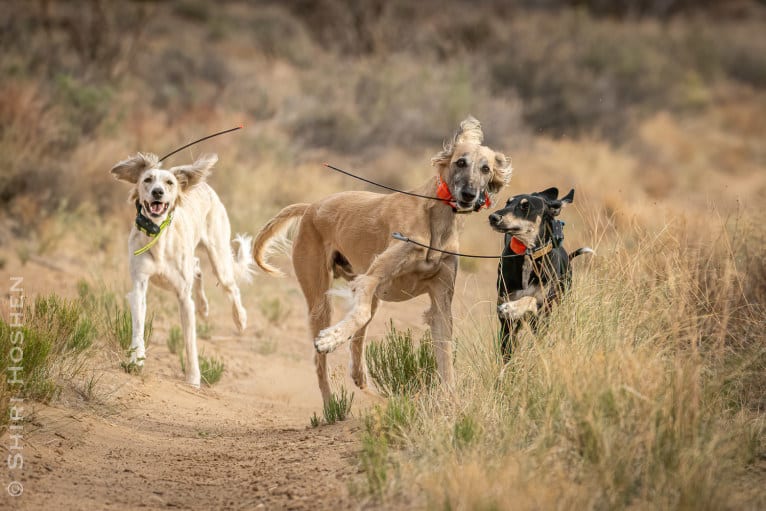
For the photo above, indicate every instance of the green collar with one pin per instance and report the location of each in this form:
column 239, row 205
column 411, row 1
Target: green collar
column 154, row 236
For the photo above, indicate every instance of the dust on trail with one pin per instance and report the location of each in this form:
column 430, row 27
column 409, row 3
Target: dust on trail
column 152, row 442
column 160, row 444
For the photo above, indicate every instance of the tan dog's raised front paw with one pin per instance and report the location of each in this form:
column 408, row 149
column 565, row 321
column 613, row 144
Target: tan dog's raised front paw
column 330, row 338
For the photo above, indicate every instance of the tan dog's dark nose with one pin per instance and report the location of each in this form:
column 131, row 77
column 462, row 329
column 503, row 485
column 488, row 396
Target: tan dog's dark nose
column 468, row 194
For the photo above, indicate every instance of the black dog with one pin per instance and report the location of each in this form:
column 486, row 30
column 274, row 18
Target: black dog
column 534, row 269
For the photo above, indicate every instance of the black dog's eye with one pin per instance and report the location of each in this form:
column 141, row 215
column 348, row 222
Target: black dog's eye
column 485, row 169
column 524, row 207
column 461, row 163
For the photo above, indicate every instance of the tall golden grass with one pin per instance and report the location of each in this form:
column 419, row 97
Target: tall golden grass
column 643, row 391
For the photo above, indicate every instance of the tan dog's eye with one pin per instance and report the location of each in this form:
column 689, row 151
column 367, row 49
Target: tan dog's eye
column 461, row 163
column 485, row 169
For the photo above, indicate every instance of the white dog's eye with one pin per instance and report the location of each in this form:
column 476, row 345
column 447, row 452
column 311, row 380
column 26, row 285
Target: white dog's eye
column 148, row 180
column 169, row 182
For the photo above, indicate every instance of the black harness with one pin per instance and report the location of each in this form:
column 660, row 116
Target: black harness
column 144, row 224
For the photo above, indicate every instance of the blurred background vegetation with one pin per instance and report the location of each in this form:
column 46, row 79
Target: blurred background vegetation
column 676, row 86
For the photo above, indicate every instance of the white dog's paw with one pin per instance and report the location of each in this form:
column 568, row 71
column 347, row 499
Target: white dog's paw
column 240, row 319
column 194, row 381
column 516, row 309
column 330, row 338
column 137, row 356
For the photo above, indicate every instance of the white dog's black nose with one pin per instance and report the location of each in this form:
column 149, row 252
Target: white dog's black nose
column 494, row 218
column 157, row 193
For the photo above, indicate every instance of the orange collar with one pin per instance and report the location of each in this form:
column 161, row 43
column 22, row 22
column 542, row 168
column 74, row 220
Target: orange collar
column 518, row 247
column 443, row 193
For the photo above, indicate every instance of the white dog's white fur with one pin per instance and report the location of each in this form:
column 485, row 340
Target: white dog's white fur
column 199, row 217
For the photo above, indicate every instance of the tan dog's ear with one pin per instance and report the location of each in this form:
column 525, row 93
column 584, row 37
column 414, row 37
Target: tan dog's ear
column 131, row 169
column 190, row 175
column 469, row 132
column 501, row 175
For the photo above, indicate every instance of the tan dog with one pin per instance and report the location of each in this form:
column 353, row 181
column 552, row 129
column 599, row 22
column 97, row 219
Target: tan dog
column 178, row 210
column 348, row 235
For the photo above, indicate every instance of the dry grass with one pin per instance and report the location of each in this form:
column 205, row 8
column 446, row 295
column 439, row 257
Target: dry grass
column 643, row 391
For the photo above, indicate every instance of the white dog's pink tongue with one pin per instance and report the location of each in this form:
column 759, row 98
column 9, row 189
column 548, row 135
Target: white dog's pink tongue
column 156, row 208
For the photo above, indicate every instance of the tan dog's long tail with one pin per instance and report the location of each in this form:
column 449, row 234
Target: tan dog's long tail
column 273, row 237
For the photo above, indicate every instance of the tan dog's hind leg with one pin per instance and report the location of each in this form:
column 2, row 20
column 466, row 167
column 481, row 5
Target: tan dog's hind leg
column 358, row 367
column 313, row 274
column 439, row 318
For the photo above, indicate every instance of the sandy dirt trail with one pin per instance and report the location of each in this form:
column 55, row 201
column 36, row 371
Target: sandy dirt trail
column 153, row 442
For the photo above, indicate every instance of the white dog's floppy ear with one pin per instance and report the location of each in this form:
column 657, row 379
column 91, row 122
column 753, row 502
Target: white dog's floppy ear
column 190, row 175
column 502, row 173
column 129, row 170
column 469, row 132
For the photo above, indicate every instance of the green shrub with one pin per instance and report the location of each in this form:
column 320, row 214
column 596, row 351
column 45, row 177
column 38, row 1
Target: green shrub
column 57, row 334
column 338, row 407
column 397, row 366
column 210, row 368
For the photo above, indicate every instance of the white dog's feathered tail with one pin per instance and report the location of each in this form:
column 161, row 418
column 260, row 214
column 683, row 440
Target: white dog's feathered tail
column 244, row 267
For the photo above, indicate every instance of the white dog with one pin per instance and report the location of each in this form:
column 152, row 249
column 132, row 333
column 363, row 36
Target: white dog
column 176, row 211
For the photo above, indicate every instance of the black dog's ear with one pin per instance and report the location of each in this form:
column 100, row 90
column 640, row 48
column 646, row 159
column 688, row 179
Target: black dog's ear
column 548, row 195
column 554, row 206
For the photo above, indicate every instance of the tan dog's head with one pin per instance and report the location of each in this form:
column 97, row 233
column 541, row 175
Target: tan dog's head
column 470, row 168
column 159, row 190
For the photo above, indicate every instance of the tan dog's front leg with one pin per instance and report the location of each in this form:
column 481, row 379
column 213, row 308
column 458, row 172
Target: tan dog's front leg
column 439, row 319
column 360, row 314
column 386, row 266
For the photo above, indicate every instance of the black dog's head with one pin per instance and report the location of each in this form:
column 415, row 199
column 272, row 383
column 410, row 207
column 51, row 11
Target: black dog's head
column 523, row 215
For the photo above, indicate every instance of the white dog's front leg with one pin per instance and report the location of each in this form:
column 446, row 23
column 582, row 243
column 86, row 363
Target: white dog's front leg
column 189, row 327
column 137, row 301
column 516, row 309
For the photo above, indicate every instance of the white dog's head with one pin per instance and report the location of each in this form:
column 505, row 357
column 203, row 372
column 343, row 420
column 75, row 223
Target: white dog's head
column 158, row 190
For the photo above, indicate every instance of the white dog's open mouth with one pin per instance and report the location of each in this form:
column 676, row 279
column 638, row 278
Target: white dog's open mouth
column 156, row 208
